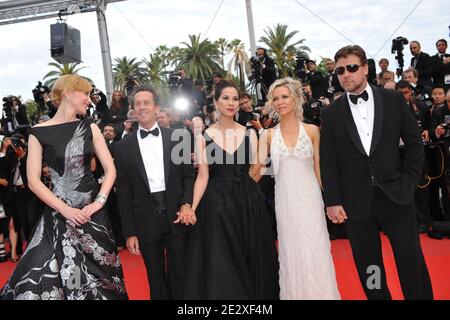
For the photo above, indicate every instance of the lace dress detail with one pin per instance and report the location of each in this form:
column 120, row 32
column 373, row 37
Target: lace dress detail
column 306, row 265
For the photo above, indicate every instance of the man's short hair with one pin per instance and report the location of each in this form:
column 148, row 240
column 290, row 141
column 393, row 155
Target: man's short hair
column 441, row 40
column 415, row 41
column 414, row 71
column 438, row 86
column 246, row 95
column 402, row 84
column 217, row 75
column 109, row 125
column 146, row 88
column 351, row 49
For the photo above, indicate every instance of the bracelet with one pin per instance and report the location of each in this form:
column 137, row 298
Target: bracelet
column 101, row 199
column 187, row 204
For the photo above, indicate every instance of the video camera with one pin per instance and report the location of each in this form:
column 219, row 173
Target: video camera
column 397, row 47
column 7, row 102
column 174, row 80
column 300, row 68
column 312, row 109
column 256, row 67
column 39, row 91
column 130, row 83
column 16, row 142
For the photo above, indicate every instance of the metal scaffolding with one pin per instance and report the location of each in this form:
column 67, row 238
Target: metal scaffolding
column 17, row 11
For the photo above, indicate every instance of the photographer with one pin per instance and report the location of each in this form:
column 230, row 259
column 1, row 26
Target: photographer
column 245, row 116
column 199, row 95
column 420, row 109
column 14, row 115
column 423, row 63
column 8, row 162
column 41, row 97
column 101, row 112
column 439, row 102
column 26, row 204
column 208, row 108
column 440, row 128
column 263, row 74
column 315, row 79
column 130, row 82
column 331, row 81
column 312, row 108
column 441, row 59
column 422, row 115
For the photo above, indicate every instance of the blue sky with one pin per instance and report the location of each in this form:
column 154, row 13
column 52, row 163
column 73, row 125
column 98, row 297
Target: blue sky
column 25, row 47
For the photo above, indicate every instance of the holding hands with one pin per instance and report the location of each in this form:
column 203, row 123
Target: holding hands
column 336, row 214
column 186, row 215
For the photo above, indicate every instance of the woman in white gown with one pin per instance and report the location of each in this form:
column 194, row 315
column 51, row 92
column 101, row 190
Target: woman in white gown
column 306, row 265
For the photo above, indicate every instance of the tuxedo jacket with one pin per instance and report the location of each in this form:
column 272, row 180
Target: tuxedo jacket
column 440, row 69
column 348, row 173
column 133, row 190
column 425, row 66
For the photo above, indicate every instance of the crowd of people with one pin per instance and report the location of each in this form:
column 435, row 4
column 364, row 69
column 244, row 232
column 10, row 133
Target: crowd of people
column 203, row 194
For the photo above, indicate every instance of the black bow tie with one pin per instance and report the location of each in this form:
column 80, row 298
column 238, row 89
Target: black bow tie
column 354, row 97
column 144, row 133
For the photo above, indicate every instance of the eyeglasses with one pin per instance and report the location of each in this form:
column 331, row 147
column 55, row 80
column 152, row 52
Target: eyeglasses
column 350, row 68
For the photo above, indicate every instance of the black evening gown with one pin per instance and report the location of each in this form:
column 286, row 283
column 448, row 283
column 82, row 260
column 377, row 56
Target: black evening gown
column 231, row 249
column 63, row 261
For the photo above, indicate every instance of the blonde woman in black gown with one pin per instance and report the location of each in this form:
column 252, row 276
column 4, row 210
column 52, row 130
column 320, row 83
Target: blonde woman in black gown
column 72, row 254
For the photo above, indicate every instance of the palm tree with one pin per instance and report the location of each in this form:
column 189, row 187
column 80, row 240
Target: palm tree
column 224, row 47
column 154, row 68
column 239, row 63
column 126, row 67
column 61, row 70
column 199, row 58
column 278, row 40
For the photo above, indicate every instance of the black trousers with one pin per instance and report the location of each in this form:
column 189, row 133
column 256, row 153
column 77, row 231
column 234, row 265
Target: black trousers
column 165, row 261
column 26, row 212
column 403, row 235
column 114, row 215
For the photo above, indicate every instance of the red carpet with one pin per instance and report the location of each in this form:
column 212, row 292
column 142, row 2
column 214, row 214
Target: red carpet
column 437, row 255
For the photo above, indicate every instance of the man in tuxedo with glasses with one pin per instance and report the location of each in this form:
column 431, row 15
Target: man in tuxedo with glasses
column 367, row 183
column 154, row 194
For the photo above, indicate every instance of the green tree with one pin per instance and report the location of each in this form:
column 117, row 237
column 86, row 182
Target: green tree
column 280, row 45
column 154, row 69
column 126, row 67
column 239, row 63
column 224, row 47
column 61, row 70
column 199, row 58
column 33, row 111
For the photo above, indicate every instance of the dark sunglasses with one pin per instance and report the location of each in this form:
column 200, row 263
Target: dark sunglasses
column 350, row 68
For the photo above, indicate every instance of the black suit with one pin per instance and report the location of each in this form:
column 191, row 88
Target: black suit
column 440, row 70
column 425, row 67
column 26, row 204
column 377, row 190
column 155, row 231
column 439, row 155
column 332, row 81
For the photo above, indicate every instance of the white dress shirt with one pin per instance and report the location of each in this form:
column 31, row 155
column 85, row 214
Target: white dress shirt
column 363, row 114
column 152, row 154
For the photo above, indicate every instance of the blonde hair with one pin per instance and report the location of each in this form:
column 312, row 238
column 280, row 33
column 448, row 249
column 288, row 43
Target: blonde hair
column 69, row 82
column 295, row 87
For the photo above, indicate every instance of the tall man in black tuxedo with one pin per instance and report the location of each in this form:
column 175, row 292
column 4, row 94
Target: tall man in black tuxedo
column 423, row 63
column 367, row 183
column 152, row 189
